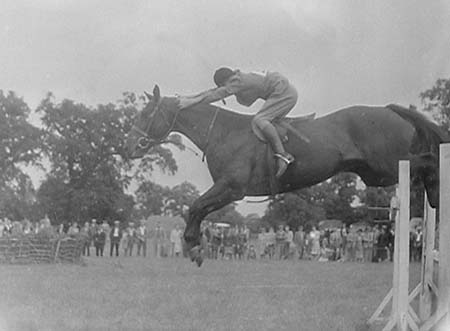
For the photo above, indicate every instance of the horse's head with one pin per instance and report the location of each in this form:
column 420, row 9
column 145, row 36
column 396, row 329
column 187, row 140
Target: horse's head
column 152, row 125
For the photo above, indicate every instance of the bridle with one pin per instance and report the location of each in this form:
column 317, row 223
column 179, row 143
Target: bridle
column 145, row 140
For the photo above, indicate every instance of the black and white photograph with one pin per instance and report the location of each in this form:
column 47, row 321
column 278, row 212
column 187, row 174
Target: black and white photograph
column 225, row 165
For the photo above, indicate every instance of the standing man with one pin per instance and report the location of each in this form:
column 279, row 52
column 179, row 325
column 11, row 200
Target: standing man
column 86, row 233
column 299, row 239
column 131, row 231
column 141, row 237
column 160, row 236
column 99, row 241
column 115, row 236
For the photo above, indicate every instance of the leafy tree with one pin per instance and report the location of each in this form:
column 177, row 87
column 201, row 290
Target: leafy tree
column 19, row 146
column 332, row 199
column 89, row 171
column 436, row 101
column 150, row 199
column 180, row 198
column 227, row 214
column 294, row 208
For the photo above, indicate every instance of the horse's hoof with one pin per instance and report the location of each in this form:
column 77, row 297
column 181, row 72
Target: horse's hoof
column 199, row 261
column 195, row 253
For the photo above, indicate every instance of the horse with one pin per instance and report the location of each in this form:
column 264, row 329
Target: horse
column 366, row 140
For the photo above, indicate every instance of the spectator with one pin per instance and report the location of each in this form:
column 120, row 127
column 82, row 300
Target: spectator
column 27, row 230
column 382, row 246
column 124, row 242
column 335, row 244
column 60, row 229
column 351, row 245
column 115, row 236
column 160, row 236
column 314, row 236
column 262, row 242
column 16, row 229
column 73, row 229
column 141, row 238
column 344, row 245
column 215, row 241
column 86, row 233
column 176, row 246
column 46, row 229
column 99, row 241
column 368, row 244
column 417, row 245
column 299, row 240
column 290, row 246
column 270, row 238
column 131, row 231
column 280, row 242
column 391, row 236
column 359, row 247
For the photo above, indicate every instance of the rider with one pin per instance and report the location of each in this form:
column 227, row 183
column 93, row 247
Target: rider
column 279, row 95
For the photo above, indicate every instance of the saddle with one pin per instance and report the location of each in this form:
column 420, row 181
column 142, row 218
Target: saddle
column 286, row 125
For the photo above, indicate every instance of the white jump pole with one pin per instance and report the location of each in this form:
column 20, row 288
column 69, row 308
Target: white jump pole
column 444, row 234
column 400, row 304
column 441, row 316
column 427, row 286
column 402, row 315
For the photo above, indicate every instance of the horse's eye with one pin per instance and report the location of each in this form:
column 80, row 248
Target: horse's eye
column 143, row 142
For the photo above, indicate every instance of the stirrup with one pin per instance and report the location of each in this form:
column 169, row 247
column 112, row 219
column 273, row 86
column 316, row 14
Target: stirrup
column 286, row 157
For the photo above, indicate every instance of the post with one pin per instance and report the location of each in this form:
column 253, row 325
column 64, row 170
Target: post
column 426, row 284
column 444, row 233
column 400, row 302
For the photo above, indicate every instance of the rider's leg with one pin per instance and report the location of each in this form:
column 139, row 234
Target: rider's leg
column 271, row 134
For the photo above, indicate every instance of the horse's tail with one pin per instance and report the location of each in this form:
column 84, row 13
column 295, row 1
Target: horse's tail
column 429, row 134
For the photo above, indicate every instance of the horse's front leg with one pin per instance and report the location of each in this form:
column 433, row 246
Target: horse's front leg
column 215, row 198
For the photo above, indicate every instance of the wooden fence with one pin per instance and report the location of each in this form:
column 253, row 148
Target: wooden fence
column 36, row 249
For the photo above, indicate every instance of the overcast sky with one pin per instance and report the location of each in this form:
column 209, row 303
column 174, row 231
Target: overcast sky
column 336, row 53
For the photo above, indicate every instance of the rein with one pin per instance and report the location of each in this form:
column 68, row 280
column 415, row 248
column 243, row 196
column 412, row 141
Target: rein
column 208, row 134
column 145, row 135
column 145, row 138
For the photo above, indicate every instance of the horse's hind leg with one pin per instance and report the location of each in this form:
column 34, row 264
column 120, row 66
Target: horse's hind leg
column 215, row 198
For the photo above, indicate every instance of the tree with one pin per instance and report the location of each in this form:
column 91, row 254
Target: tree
column 436, row 101
column 294, row 208
column 19, row 146
column 227, row 214
column 89, row 170
column 180, row 198
column 332, row 199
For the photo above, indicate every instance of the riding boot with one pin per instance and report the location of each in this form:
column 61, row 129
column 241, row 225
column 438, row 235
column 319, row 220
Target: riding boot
column 284, row 158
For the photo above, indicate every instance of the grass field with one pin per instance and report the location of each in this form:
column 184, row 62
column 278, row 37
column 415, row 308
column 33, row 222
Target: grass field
column 174, row 294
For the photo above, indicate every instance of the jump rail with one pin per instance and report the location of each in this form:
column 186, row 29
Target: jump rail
column 402, row 314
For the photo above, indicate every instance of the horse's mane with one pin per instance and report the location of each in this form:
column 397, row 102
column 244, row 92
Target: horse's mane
column 430, row 134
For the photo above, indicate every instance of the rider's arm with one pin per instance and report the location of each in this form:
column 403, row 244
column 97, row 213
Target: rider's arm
column 212, row 95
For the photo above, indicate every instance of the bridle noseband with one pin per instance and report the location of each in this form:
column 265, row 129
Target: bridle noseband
column 145, row 140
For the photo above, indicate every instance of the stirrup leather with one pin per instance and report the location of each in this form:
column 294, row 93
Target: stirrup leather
column 288, row 158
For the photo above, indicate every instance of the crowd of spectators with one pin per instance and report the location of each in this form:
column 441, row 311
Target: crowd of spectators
column 221, row 241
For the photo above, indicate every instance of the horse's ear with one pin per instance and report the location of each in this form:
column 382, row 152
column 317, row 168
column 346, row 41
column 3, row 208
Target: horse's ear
column 148, row 95
column 156, row 93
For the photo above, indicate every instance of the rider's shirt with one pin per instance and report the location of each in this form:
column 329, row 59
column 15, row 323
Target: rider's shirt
column 247, row 87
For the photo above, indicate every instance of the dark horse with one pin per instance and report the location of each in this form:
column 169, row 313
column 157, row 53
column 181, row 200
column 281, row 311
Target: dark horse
column 366, row 140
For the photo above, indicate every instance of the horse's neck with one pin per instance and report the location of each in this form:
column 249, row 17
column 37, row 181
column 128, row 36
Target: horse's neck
column 200, row 124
